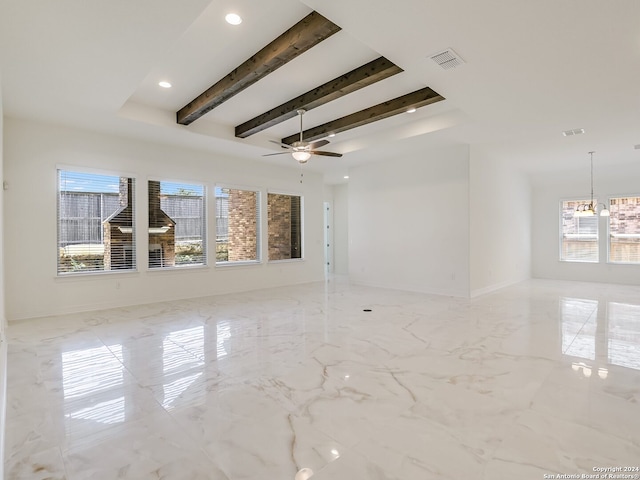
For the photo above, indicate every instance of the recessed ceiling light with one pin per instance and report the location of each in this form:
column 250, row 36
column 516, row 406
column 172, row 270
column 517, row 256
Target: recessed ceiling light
column 411, row 110
column 233, row 19
column 164, row 84
column 332, row 135
column 346, row 177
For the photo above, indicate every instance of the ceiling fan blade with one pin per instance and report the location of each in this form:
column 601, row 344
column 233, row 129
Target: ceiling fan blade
column 279, row 153
column 326, row 154
column 283, row 145
column 318, row 144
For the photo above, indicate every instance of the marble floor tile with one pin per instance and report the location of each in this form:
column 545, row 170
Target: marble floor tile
column 541, row 378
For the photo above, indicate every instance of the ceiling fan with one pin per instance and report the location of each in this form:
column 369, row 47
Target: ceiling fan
column 301, row 150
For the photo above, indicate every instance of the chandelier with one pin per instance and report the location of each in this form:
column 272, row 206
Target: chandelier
column 590, row 209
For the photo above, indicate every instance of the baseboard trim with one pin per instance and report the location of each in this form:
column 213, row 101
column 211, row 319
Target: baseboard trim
column 497, row 286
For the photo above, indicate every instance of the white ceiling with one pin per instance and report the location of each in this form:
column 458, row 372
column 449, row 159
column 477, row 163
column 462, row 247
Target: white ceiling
column 533, row 69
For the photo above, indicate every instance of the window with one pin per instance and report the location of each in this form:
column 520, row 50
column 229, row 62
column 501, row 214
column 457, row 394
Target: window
column 579, row 234
column 624, row 230
column 285, row 226
column 95, row 223
column 237, row 225
column 176, row 224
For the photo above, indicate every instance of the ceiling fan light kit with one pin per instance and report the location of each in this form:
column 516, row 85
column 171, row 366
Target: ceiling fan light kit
column 300, row 150
column 301, row 156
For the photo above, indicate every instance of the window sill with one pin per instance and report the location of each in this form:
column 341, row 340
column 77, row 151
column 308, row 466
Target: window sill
column 580, row 261
column 287, row 260
column 247, row 263
column 178, row 268
column 83, row 276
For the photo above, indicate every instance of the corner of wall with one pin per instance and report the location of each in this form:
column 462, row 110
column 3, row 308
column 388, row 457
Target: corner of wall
column 500, row 242
column 3, row 318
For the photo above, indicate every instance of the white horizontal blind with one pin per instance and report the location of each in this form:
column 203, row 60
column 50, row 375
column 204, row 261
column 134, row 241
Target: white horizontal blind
column 237, row 225
column 177, row 224
column 579, row 242
column 624, row 230
column 284, row 214
column 95, row 223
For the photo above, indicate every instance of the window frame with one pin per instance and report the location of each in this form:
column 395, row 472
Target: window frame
column 302, row 225
column 205, row 226
column 259, row 228
column 609, row 197
column 76, row 169
column 561, row 236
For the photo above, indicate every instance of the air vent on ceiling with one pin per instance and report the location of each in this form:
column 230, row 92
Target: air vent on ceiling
column 447, row 59
column 637, row 147
column 575, row 131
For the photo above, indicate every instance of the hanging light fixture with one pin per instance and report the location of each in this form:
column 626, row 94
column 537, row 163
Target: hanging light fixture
column 301, row 150
column 301, row 156
column 589, row 209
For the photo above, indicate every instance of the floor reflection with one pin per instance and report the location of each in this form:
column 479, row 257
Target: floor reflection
column 525, row 381
column 605, row 334
column 624, row 334
column 92, row 381
column 576, row 340
column 182, row 358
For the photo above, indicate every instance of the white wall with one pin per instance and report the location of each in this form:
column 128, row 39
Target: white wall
column 2, row 264
column 548, row 192
column 341, row 229
column 409, row 222
column 3, row 343
column 32, row 153
column 500, row 206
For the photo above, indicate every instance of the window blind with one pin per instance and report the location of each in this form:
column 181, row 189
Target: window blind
column 96, row 216
column 177, row 224
column 624, row 230
column 579, row 242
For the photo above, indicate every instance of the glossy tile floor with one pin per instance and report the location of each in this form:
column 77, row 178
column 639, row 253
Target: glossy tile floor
column 539, row 378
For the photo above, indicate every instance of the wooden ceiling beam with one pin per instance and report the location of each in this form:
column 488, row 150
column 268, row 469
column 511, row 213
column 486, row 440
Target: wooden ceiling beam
column 367, row 74
column 308, row 32
column 417, row 99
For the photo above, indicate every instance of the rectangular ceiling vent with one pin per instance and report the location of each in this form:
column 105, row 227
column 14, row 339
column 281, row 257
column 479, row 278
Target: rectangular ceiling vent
column 575, row 131
column 447, row 59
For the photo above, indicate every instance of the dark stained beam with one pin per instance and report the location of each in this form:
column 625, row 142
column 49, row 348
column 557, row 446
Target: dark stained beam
column 367, row 74
column 417, row 99
column 308, row 32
